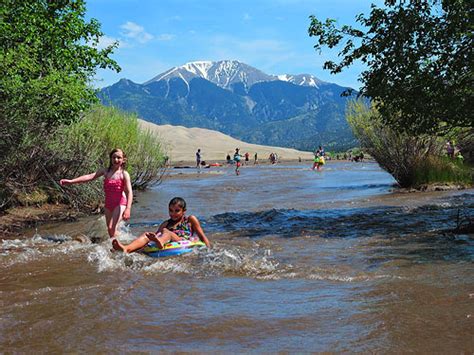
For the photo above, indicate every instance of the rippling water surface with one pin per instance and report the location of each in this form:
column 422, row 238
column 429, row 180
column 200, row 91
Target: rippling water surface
column 301, row 261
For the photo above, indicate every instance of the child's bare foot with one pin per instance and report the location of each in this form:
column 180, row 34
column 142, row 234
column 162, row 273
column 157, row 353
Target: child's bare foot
column 116, row 245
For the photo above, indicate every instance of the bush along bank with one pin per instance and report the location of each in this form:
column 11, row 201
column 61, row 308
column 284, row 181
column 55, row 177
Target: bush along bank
column 76, row 149
column 414, row 161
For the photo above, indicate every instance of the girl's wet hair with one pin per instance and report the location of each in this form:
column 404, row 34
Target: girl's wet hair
column 178, row 201
column 116, row 150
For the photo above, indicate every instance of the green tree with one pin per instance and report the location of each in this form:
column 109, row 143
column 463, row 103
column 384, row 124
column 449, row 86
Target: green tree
column 48, row 56
column 419, row 59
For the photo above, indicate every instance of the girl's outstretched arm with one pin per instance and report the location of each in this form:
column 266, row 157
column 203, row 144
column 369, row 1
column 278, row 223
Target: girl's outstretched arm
column 198, row 229
column 83, row 178
column 129, row 194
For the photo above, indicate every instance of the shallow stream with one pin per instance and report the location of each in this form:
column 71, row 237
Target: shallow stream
column 302, row 261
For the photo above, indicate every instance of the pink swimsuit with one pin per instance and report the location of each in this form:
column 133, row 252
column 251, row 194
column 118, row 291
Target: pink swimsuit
column 114, row 195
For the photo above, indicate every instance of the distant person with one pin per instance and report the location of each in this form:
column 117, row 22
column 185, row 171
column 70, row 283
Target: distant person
column 178, row 227
column 247, row 155
column 450, row 149
column 322, row 152
column 255, row 158
column 318, row 161
column 117, row 189
column 273, row 158
column 228, row 159
column 299, row 159
column 198, row 159
column 237, row 158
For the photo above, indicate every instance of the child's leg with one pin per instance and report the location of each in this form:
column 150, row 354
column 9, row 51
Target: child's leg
column 165, row 237
column 112, row 219
column 137, row 244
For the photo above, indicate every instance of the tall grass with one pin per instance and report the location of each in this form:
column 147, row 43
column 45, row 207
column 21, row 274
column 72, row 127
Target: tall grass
column 84, row 147
column 442, row 170
column 30, row 173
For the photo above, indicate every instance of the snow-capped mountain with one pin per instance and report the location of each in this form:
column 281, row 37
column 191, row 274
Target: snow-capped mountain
column 223, row 73
column 237, row 99
column 301, row 79
column 226, row 73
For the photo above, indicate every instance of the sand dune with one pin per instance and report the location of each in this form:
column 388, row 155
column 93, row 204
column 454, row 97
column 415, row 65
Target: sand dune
column 182, row 143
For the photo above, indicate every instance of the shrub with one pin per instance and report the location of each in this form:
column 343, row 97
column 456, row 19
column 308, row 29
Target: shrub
column 76, row 149
column 411, row 160
column 84, row 147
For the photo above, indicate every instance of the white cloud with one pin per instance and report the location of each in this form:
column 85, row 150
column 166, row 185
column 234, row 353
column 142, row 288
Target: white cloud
column 166, row 37
column 136, row 32
column 106, row 41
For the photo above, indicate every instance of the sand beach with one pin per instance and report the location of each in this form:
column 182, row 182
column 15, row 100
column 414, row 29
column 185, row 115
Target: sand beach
column 182, row 143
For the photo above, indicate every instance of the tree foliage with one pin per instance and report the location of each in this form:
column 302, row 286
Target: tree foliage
column 419, row 55
column 48, row 55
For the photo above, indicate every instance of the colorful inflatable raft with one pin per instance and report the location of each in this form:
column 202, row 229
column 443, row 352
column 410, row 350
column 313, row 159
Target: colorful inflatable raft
column 172, row 248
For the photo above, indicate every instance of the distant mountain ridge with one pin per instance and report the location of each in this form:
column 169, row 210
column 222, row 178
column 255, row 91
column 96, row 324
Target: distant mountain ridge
column 297, row 111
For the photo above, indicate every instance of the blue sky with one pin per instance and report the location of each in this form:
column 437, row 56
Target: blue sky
column 270, row 35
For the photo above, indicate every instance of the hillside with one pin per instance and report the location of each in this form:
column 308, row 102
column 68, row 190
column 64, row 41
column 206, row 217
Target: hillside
column 181, row 144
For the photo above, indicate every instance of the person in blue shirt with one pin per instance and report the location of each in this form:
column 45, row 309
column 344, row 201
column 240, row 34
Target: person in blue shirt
column 237, row 158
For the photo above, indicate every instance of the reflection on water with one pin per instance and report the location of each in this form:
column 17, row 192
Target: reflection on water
column 302, row 261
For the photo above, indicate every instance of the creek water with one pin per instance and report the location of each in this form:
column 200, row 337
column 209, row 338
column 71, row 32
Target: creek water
column 302, row 261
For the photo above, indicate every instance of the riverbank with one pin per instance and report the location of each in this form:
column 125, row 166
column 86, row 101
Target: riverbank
column 15, row 220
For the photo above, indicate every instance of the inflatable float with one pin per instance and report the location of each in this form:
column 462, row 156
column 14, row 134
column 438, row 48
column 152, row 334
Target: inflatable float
column 172, row 248
column 319, row 160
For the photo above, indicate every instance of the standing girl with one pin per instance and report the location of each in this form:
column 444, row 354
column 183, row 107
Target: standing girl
column 117, row 188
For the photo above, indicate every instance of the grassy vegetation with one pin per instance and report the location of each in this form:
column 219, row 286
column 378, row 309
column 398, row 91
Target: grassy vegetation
column 442, row 170
column 412, row 160
column 82, row 147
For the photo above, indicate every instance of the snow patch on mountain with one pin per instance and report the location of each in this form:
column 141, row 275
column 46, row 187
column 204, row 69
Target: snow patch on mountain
column 301, row 79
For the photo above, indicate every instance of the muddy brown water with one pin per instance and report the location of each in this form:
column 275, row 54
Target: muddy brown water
column 302, row 261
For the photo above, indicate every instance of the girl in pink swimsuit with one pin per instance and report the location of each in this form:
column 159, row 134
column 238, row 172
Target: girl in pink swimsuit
column 117, row 188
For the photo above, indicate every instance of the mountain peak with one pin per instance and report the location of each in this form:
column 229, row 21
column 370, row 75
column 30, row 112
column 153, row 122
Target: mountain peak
column 223, row 73
column 226, row 73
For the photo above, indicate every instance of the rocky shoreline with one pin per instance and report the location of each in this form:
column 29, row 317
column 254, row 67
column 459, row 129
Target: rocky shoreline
column 17, row 219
